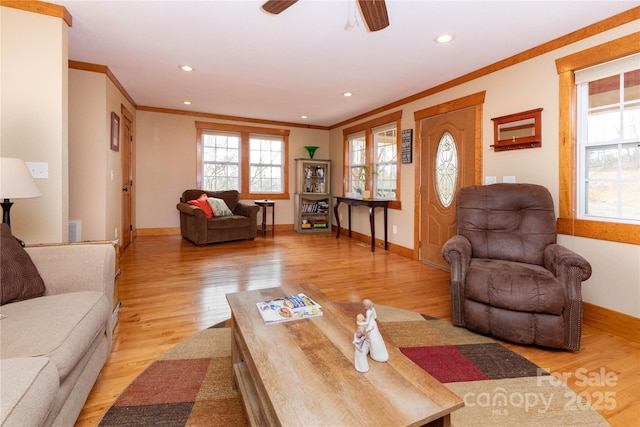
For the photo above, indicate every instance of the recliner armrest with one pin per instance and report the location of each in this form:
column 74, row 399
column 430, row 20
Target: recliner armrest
column 457, row 249
column 559, row 259
column 457, row 252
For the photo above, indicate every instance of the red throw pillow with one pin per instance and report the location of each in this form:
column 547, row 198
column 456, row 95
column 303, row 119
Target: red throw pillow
column 201, row 202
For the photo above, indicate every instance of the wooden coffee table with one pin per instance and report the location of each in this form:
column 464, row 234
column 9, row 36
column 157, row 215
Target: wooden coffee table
column 301, row 373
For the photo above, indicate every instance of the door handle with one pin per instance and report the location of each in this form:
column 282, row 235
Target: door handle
column 125, row 189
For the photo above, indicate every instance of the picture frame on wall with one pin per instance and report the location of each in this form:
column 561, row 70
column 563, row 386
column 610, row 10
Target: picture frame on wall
column 407, row 146
column 115, row 132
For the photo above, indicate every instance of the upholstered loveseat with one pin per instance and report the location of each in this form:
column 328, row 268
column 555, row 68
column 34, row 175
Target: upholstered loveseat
column 53, row 346
column 239, row 222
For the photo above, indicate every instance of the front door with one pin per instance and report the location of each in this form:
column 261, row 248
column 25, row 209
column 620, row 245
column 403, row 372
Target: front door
column 447, row 163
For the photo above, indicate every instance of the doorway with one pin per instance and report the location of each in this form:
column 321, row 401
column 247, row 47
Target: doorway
column 450, row 145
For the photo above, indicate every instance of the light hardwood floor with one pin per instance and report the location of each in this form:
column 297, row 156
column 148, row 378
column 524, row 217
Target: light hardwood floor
column 171, row 289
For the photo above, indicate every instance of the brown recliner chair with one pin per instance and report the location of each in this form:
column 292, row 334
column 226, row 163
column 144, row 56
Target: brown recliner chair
column 509, row 278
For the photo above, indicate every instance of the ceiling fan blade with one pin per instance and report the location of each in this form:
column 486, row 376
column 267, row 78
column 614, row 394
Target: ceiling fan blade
column 374, row 13
column 277, row 6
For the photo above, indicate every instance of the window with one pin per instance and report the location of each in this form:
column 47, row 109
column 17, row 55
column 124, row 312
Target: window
column 609, row 141
column 357, row 163
column 221, row 160
column 248, row 159
column 570, row 222
column 266, row 164
column 385, row 141
column 371, row 158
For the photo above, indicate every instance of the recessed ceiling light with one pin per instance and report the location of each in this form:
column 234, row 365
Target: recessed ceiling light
column 347, row 94
column 186, row 68
column 186, row 102
column 303, row 117
column 444, row 38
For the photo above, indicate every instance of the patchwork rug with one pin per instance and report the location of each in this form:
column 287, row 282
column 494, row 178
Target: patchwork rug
column 191, row 384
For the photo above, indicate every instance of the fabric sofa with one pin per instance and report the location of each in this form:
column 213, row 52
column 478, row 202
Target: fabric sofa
column 53, row 346
column 238, row 224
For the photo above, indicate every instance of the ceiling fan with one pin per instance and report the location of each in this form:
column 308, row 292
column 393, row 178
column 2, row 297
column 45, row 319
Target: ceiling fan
column 374, row 12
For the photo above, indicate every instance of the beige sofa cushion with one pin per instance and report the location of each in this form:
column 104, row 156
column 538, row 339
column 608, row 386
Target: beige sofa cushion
column 60, row 327
column 28, row 389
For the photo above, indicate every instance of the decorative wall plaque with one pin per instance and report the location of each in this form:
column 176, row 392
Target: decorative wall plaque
column 407, row 146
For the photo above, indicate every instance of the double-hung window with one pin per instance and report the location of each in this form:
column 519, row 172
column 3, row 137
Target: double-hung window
column 385, row 140
column 598, row 136
column 371, row 158
column 608, row 134
column 248, row 159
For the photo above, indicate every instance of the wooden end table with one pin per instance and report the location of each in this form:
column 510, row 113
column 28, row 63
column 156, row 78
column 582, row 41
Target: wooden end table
column 301, row 373
column 264, row 204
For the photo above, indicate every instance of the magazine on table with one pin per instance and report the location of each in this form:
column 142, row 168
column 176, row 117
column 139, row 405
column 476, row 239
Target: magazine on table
column 292, row 307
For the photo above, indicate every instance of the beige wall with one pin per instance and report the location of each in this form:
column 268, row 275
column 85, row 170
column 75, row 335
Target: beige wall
column 87, row 151
column 94, row 169
column 166, row 165
column 34, row 116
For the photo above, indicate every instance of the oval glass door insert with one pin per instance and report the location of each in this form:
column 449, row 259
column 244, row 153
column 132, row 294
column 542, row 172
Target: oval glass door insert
column 446, row 169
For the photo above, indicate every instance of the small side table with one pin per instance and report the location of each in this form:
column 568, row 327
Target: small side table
column 264, row 204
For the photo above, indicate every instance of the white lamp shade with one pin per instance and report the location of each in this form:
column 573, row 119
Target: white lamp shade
column 16, row 181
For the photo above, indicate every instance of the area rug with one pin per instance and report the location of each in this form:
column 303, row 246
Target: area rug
column 191, row 384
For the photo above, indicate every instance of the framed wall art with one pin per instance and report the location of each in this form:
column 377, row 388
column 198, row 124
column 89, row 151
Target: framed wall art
column 407, row 146
column 115, row 132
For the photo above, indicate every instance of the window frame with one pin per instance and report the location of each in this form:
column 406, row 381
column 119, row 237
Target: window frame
column 245, row 134
column 368, row 128
column 568, row 222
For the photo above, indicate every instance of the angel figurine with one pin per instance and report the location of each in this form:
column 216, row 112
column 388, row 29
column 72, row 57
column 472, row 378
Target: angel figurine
column 361, row 343
column 377, row 348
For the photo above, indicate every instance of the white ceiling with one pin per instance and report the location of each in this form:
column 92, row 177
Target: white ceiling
column 249, row 63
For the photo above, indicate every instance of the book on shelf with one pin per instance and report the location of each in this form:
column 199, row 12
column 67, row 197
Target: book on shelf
column 288, row 308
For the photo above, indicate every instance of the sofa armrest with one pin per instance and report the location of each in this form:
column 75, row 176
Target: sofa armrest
column 188, row 209
column 245, row 209
column 76, row 267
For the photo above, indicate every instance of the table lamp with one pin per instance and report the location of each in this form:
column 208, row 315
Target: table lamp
column 16, row 182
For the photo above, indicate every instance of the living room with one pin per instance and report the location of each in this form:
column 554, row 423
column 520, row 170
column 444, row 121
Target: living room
column 64, row 119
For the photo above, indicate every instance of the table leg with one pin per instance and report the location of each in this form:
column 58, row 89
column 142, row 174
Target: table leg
column 264, row 220
column 273, row 221
column 372, row 223
column 349, row 220
column 337, row 217
column 385, row 229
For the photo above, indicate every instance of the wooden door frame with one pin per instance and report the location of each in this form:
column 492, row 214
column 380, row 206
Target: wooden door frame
column 475, row 100
column 130, row 152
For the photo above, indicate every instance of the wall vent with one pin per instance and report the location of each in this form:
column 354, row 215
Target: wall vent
column 75, row 230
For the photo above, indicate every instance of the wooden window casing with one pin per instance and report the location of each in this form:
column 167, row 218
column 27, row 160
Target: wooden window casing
column 245, row 132
column 568, row 223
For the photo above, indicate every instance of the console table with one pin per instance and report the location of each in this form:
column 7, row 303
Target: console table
column 371, row 204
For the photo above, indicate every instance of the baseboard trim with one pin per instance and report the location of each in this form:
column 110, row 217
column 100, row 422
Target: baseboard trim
column 614, row 322
column 169, row 231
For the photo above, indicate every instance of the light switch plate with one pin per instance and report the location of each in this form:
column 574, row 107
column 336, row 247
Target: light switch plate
column 488, row 180
column 510, row 179
column 39, row 170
